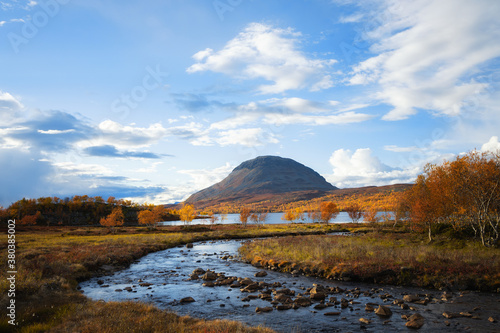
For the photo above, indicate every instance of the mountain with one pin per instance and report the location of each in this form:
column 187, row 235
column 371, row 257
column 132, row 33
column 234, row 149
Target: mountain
column 265, row 177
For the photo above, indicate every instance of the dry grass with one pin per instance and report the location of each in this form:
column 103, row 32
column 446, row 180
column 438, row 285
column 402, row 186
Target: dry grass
column 404, row 259
column 137, row 317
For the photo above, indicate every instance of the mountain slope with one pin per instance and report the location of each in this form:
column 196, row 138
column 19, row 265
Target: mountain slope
column 270, row 175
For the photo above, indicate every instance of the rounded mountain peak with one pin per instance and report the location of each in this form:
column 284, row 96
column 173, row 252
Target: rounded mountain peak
column 264, row 175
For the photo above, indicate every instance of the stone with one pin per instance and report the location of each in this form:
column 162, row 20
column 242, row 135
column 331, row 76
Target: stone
column 383, row 311
column 208, row 284
column 302, row 301
column 415, row 321
column 320, row 306
column 411, row 298
column 100, row 282
column 332, row 313
column 198, row 271
column 261, row 274
column 263, row 309
column 187, row 300
column 285, row 291
column 129, row 289
column 283, row 307
column 365, row 321
column 189, row 245
column 369, row 308
column 145, row 284
column 450, row 315
column 209, row 276
column 492, row 320
column 318, row 296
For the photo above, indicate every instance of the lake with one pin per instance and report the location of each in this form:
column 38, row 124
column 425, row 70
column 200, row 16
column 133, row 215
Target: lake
column 272, row 218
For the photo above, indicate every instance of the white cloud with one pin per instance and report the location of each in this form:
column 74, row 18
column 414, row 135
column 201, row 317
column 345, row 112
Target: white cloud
column 199, row 180
column 249, row 137
column 336, row 119
column 113, row 133
column 54, row 132
column 361, row 168
column 264, row 52
column 492, row 146
column 204, row 178
column 430, row 53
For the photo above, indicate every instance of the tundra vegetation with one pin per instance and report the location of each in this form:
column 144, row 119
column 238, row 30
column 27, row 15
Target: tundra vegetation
column 441, row 232
column 52, row 260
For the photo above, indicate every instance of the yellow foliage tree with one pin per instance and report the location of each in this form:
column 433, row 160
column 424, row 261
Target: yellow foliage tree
column 187, row 214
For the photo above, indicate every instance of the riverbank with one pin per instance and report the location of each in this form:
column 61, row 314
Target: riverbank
column 404, row 259
column 52, row 260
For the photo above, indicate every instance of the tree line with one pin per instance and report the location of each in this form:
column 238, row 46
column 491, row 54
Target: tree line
column 81, row 210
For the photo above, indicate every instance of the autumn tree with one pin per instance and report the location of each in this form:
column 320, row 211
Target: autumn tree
column 370, row 215
column 463, row 191
column 187, row 213
column 244, row 215
column 212, row 218
column 258, row 218
column 328, row 211
column 313, row 213
column 146, row 217
column 289, row 215
column 115, row 219
column 354, row 211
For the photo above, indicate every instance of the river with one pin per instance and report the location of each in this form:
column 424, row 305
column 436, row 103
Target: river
column 168, row 271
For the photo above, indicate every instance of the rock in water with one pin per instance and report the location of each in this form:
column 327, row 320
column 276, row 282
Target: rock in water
column 383, row 311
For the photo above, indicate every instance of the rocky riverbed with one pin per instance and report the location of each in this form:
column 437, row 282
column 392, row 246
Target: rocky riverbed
column 205, row 280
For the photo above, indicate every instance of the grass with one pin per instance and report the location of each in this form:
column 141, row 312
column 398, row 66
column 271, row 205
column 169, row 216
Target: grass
column 392, row 258
column 52, row 260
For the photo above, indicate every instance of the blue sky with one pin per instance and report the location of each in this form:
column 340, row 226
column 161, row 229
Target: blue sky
column 155, row 100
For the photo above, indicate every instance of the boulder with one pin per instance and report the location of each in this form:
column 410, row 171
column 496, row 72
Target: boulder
column 263, row 309
column 209, row 276
column 189, row 245
column 415, row 321
column 450, row 315
column 187, row 300
column 411, row 298
column 198, row 271
column 302, row 301
column 284, row 307
column 261, row 274
column 369, row 308
column 318, row 296
column 383, row 311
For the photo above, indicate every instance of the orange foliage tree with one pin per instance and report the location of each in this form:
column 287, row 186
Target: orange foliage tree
column 244, row 215
column 328, row 211
column 355, row 212
column 465, row 191
column 115, row 219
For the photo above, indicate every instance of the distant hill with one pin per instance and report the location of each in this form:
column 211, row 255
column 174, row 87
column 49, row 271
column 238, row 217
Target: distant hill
column 265, row 177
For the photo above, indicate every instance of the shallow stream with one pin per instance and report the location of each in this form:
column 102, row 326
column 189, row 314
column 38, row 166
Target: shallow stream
column 165, row 279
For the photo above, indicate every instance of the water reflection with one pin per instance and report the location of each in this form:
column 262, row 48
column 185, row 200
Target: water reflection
column 272, row 218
